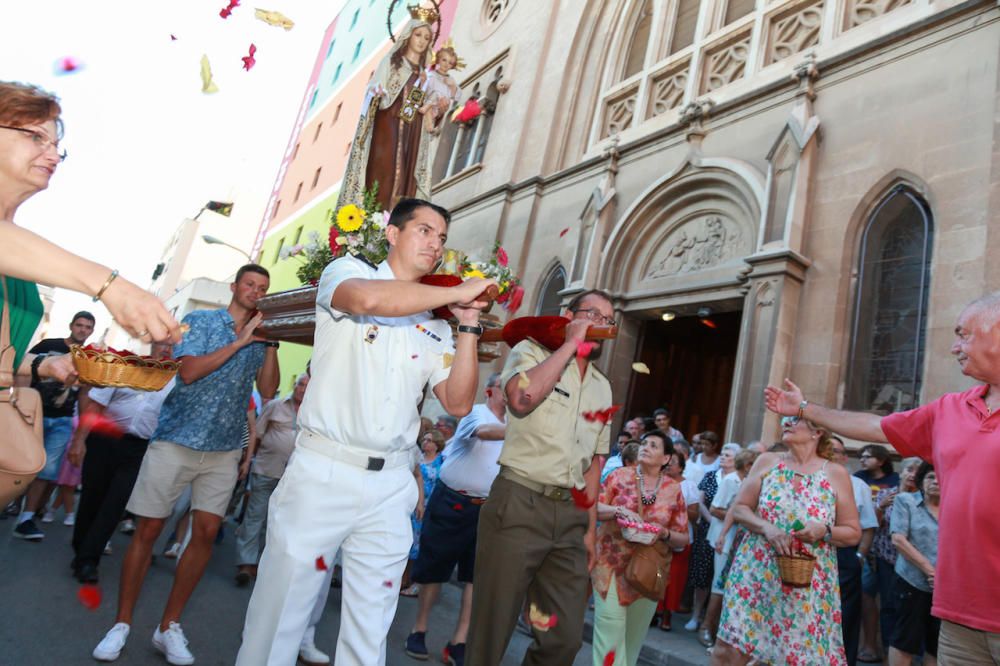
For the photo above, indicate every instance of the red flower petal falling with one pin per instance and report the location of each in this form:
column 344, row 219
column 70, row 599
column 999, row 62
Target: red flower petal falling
column 580, row 498
column 89, row 596
column 320, row 564
column 456, row 506
column 101, row 425
column 387, row 583
column 226, row 11
column 584, row 348
column 512, row 303
column 563, row 232
column 249, row 61
column 609, row 658
column 602, row 415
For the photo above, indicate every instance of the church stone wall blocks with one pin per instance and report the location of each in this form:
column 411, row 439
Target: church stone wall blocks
column 794, row 32
column 726, row 63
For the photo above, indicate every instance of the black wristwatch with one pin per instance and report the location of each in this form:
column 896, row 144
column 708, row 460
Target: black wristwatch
column 35, row 362
column 475, row 330
column 271, row 343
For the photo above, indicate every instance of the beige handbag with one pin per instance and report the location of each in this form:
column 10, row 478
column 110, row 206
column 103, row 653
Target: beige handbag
column 22, row 449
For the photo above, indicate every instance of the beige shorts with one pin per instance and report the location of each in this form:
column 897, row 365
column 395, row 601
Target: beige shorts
column 168, row 468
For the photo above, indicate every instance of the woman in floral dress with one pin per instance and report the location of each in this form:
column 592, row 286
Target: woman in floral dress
column 763, row 619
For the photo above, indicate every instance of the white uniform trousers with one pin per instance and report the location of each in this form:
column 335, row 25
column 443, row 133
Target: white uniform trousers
column 321, row 505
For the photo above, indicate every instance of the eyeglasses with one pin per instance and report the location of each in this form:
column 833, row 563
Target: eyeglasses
column 595, row 316
column 790, row 421
column 42, row 142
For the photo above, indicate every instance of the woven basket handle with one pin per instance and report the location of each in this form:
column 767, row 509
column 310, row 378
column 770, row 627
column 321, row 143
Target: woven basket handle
column 7, row 351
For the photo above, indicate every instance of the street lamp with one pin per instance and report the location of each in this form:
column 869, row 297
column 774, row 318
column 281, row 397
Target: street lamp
column 212, row 240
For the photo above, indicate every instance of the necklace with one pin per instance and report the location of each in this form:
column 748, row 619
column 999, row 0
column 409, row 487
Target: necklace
column 650, row 499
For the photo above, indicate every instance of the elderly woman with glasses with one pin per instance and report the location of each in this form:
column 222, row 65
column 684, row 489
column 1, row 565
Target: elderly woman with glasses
column 30, row 131
column 642, row 494
column 790, row 502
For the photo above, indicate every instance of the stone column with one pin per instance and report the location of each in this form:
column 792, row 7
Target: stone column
column 766, row 340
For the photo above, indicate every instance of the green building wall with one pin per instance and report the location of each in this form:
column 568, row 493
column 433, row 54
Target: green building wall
column 292, row 358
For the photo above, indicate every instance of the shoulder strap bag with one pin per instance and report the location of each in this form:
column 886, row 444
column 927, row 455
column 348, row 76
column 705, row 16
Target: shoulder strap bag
column 648, row 571
column 22, row 451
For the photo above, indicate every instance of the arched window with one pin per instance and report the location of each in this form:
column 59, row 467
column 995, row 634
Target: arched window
column 890, row 317
column 635, row 58
column 549, row 303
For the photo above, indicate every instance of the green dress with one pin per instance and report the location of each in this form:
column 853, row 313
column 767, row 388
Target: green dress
column 25, row 314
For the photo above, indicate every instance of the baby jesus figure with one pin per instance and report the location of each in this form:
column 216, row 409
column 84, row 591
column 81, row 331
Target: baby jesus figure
column 441, row 91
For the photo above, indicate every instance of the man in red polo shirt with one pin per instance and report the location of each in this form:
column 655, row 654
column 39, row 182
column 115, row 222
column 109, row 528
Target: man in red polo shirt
column 958, row 433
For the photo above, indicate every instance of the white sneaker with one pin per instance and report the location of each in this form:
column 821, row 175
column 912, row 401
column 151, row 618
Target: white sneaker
column 173, row 645
column 48, row 517
column 310, row 655
column 172, row 552
column 692, row 625
column 69, row 520
column 112, row 644
column 128, row 526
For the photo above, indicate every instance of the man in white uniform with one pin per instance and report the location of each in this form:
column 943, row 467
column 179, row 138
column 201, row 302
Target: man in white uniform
column 348, row 484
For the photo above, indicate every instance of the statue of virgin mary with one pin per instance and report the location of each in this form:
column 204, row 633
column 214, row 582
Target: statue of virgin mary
column 390, row 146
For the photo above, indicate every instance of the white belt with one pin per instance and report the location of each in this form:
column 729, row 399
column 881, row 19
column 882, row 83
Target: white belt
column 352, row 456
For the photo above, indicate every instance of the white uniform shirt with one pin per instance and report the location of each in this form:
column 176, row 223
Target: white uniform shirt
column 368, row 372
column 470, row 464
column 863, row 498
column 135, row 412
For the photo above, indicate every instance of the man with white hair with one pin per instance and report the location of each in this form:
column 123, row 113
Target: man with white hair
column 958, row 432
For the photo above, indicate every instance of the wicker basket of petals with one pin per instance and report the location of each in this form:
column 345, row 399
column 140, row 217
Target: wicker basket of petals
column 796, row 570
column 122, row 369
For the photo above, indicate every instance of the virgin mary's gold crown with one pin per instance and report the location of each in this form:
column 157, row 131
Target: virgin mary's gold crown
column 426, row 14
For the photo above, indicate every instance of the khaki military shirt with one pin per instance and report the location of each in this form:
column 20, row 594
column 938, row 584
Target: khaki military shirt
column 554, row 444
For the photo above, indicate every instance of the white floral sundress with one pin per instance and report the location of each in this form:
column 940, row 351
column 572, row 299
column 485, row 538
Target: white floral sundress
column 761, row 617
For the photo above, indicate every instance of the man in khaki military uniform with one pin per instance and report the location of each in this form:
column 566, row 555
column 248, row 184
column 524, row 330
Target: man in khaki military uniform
column 534, row 543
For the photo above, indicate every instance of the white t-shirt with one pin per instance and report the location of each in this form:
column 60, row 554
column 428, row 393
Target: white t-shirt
column 470, row 464
column 728, row 488
column 863, row 498
column 135, row 412
column 692, row 496
column 368, row 372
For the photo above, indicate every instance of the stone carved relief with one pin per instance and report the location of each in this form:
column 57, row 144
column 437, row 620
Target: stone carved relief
column 668, row 90
column 619, row 114
column 765, row 294
column 862, row 11
column 726, row 64
column 796, row 32
column 696, row 245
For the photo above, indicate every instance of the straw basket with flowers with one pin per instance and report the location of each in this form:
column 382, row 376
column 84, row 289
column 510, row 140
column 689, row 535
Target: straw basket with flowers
column 121, row 369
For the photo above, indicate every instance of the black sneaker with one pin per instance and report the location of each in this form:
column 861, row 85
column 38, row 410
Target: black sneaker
column 86, row 573
column 28, row 531
column 415, row 646
column 454, row 654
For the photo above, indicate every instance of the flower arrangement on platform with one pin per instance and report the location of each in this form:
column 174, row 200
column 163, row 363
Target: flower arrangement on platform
column 355, row 230
column 455, row 262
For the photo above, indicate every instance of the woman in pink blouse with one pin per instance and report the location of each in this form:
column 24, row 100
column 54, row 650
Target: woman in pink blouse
column 622, row 615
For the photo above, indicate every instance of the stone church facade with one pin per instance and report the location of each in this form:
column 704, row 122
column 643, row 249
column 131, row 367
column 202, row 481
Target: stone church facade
column 805, row 189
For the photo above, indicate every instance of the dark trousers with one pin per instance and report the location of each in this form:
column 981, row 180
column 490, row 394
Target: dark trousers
column 529, row 548
column 849, row 566
column 110, row 468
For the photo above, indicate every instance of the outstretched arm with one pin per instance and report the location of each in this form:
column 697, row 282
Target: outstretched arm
column 856, row 425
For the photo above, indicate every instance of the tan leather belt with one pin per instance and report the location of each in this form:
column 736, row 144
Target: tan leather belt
column 552, row 492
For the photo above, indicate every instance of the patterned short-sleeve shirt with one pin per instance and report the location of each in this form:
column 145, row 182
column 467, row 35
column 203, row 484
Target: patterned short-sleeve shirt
column 208, row 414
